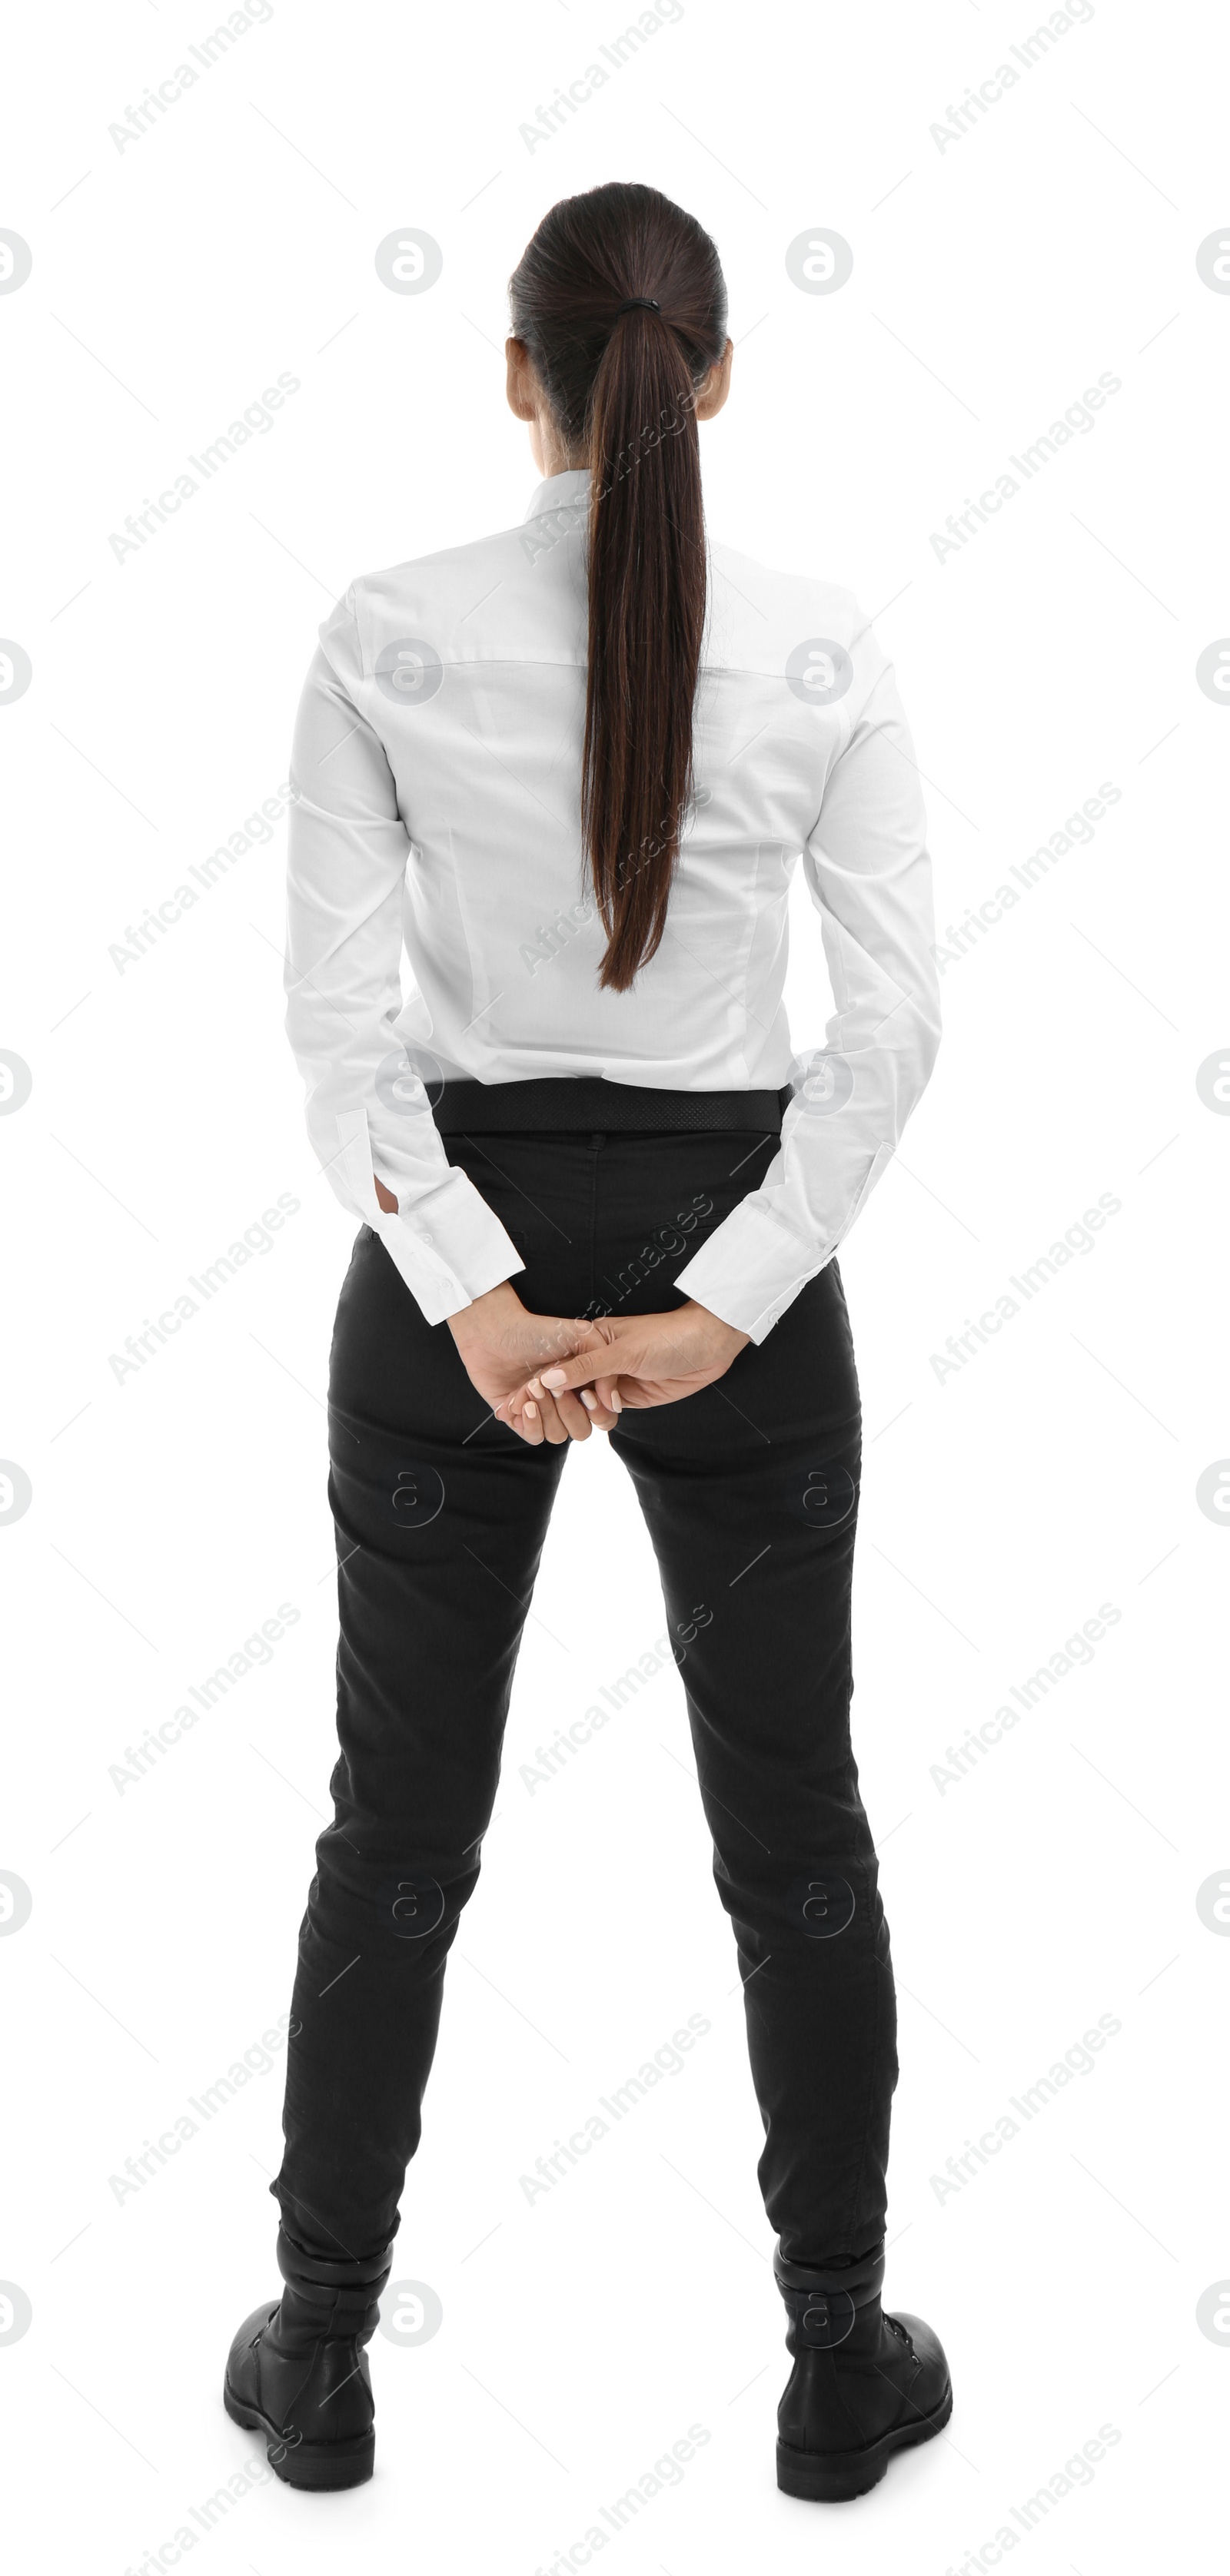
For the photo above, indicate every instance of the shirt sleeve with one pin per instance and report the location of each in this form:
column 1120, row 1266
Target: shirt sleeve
column 869, row 876
column 368, row 1110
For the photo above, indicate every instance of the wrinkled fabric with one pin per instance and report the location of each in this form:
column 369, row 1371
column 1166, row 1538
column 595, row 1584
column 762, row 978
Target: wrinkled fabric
column 436, row 818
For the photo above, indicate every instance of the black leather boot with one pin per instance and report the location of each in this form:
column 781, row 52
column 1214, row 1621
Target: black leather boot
column 298, row 2372
column 863, row 2385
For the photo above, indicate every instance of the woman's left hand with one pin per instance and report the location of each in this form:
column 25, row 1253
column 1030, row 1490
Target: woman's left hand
column 651, row 1359
column 498, row 1339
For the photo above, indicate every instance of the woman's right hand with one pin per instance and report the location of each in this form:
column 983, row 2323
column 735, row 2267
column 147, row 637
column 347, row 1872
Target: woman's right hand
column 646, row 1360
column 502, row 1345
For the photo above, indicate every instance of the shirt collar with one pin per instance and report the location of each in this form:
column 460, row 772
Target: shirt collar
column 558, row 490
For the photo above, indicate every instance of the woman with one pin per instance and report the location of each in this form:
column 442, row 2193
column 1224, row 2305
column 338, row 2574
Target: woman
column 573, row 766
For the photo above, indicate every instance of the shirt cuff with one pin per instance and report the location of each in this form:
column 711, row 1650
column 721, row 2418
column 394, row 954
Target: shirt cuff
column 751, row 1269
column 452, row 1252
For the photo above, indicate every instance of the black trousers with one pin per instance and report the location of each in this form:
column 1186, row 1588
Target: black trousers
column 749, row 1491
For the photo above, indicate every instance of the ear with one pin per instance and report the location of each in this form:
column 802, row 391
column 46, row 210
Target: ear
column 716, row 386
column 521, row 380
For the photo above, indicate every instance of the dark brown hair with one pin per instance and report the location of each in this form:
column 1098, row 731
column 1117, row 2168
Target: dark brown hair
column 622, row 390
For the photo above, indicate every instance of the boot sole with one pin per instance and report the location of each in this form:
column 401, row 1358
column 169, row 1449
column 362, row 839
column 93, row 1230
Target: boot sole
column 319, row 2466
column 836, row 2477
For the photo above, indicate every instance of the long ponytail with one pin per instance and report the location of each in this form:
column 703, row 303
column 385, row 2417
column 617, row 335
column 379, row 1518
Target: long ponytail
column 621, row 303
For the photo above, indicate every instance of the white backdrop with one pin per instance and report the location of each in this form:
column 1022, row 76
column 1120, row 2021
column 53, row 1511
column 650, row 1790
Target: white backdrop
column 1015, row 246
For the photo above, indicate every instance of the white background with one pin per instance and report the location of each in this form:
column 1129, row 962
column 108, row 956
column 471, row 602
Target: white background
column 1055, row 1471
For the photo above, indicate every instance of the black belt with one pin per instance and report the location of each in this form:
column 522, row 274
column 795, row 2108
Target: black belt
column 583, row 1101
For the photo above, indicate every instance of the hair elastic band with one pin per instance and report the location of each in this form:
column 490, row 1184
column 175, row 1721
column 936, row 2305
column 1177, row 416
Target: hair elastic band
column 633, row 303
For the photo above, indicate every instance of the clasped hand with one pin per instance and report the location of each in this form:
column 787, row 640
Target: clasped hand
column 554, row 1379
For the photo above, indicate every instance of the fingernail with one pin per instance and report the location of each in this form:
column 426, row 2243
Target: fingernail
column 535, row 1386
column 617, row 1402
column 554, row 1377
column 531, row 1412
column 589, row 1401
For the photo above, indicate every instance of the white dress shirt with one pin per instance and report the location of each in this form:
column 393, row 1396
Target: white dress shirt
column 436, row 775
